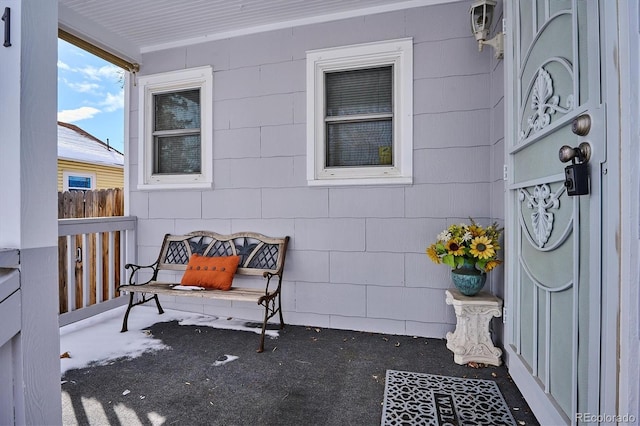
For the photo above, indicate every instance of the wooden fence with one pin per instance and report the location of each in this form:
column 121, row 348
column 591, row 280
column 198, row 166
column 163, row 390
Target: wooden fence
column 98, row 203
column 94, row 257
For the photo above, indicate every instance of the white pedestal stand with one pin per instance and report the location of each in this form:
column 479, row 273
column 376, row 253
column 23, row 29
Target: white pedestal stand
column 471, row 341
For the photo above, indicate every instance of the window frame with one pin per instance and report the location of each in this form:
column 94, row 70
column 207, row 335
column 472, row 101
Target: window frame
column 396, row 53
column 69, row 173
column 175, row 81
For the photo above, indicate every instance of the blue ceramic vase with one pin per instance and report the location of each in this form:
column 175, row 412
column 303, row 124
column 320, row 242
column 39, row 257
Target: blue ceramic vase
column 467, row 279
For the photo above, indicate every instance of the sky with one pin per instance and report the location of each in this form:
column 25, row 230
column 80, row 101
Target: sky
column 91, row 94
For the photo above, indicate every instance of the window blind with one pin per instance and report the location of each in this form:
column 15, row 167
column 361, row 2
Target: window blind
column 359, row 117
column 365, row 91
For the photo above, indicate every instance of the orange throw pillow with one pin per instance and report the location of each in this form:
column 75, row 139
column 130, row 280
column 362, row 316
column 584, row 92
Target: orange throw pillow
column 211, row 272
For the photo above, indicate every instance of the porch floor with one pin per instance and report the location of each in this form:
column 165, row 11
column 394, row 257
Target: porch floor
column 306, row 375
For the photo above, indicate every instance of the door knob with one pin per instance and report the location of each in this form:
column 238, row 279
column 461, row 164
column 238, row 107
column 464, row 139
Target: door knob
column 576, row 175
column 582, row 153
column 581, row 125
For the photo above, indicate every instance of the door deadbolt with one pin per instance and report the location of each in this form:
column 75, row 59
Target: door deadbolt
column 582, row 153
column 581, row 125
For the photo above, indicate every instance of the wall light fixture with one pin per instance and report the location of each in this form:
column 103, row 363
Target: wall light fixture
column 481, row 13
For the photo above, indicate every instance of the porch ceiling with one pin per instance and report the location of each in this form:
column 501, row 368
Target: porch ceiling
column 129, row 28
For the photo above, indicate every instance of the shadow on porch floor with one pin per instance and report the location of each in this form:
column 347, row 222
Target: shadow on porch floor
column 306, row 375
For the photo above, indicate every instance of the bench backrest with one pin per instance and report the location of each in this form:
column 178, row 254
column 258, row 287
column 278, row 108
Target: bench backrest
column 258, row 253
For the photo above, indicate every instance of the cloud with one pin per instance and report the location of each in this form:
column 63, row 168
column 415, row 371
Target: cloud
column 63, row 66
column 73, row 115
column 84, row 87
column 97, row 74
column 113, row 102
column 90, row 79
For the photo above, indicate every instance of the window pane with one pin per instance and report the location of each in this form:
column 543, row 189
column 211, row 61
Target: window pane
column 79, row 182
column 367, row 143
column 367, row 91
column 177, row 110
column 177, row 154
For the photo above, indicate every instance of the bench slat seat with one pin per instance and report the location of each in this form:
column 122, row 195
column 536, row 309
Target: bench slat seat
column 259, row 256
column 234, row 294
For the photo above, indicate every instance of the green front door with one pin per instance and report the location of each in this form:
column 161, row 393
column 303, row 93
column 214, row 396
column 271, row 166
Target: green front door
column 554, row 240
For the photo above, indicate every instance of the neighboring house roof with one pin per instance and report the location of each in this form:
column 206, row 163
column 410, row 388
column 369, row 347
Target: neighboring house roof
column 76, row 144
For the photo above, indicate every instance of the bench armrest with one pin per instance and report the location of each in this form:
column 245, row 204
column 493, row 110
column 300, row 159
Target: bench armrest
column 268, row 276
column 135, row 268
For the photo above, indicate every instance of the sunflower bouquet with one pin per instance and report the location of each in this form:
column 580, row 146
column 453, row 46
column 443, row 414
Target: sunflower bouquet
column 471, row 243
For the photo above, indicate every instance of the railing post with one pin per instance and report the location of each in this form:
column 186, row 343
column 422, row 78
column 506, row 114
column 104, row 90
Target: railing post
column 71, row 273
column 112, row 269
column 99, row 275
column 85, row 271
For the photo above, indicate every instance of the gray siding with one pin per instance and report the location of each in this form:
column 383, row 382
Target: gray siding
column 357, row 255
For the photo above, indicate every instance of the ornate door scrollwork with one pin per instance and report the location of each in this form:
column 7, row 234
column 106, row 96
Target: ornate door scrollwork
column 541, row 201
column 544, row 101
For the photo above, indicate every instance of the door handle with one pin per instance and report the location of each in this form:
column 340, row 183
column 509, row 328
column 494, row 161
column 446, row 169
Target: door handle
column 576, row 175
column 582, row 153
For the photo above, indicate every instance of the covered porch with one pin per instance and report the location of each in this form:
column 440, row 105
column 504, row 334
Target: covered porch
column 183, row 367
column 261, row 139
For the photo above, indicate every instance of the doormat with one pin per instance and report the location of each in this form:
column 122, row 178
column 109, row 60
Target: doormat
column 427, row 399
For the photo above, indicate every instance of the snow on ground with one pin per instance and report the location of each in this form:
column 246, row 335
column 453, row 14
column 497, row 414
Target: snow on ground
column 98, row 340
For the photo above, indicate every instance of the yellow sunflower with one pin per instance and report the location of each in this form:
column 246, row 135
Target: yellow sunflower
column 454, row 248
column 492, row 264
column 433, row 254
column 482, row 248
column 476, row 231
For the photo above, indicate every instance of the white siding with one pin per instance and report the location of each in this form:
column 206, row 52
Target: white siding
column 356, row 258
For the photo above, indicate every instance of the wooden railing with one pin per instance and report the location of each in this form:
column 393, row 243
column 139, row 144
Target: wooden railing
column 92, row 253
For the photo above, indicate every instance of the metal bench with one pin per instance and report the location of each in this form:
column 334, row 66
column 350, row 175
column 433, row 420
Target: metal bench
column 259, row 255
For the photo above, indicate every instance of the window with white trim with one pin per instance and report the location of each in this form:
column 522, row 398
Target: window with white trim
column 176, row 122
column 360, row 114
column 78, row 181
